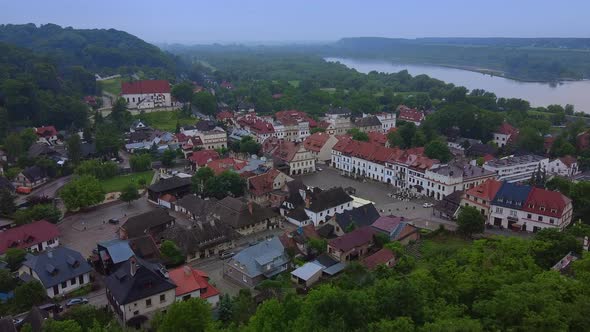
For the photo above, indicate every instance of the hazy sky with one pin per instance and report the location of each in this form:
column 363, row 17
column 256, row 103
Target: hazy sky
column 197, row 21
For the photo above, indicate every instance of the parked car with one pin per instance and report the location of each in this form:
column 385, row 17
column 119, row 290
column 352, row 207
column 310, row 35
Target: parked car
column 427, row 205
column 76, row 301
column 114, row 221
column 226, row 254
column 319, row 169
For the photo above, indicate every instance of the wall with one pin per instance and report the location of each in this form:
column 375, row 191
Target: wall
column 140, row 308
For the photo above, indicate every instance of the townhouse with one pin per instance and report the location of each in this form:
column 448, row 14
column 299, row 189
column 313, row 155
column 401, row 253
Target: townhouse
column 481, row 196
column 566, row 166
column 408, row 114
column 443, row 180
column 320, row 146
column 516, row 168
column 505, row 134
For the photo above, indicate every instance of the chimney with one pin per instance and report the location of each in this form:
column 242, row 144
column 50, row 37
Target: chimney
column 132, row 266
column 250, row 207
column 187, row 270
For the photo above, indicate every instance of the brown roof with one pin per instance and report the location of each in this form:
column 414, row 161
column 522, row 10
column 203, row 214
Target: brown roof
column 316, row 141
column 356, row 238
column 263, row 183
column 380, row 257
column 486, row 190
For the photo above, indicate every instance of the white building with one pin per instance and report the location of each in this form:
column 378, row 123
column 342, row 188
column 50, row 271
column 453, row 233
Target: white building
column 146, row 94
column 443, row 180
column 516, row 168
column 319, row 206
column 387, row 121
column 565, row 166
column 505, row 134
column 213, row 139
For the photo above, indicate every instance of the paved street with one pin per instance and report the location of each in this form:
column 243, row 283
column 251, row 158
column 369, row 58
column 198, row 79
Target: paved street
column 49, row 189
column 81, row 231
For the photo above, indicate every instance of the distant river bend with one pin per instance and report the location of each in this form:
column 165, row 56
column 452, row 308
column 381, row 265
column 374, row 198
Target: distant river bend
column 576, row 93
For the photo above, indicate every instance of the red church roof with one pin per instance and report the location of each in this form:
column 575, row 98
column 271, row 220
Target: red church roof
column 146, row 86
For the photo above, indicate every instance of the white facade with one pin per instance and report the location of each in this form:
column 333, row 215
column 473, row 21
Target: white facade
column 148, row 305
column 303, row 162
column 214, row 139
column 387, row 121
column 558, row 167
column 530, row 221
column 501, row 139
column 148, row 100
column 516, row 169
column 321, row 217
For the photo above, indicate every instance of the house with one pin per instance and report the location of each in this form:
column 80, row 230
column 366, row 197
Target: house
column 227, row 164
column 34, row 237
column 505, row 134
column 378, row 138
column 307, row 274
column 145, row 247
column 352, row 246
column 5, row 184
column 138, row 289
column 546, row 209
column 368, row 123
column 397, row 229
column 320, row 146
column 60, row 270
column 152, row 222
column 298, row 239
column 256, row 263
column 137, row 125
column 146, row 94
column 448, row 207
column 349, row 220
column 205, row 237
column 213, row 139
column 201, row 158
column 261, row 187
column 195, row 207
column 112, row 253
column 583, row 140
column 318, row 206
column 480, row 150
column 47, row 135
column 31, row 177
column 293, row 125
column 566, row 166
column 462, row 143
column 481, row 196
column 338, row 121
column 387, row 121
column 297, row 159
column 444, row 179
column 408, row 114
column 384, row 257
column 246, row 217
column 508, row 204
column 516, row 168
column 193, row 283
column 175, row 186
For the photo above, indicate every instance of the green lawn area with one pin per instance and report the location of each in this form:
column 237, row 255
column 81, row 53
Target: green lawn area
column 440, row 247
column 294, row 84
column 166, row 120
column 119, row 182
column 537, row 114
column 113, row 85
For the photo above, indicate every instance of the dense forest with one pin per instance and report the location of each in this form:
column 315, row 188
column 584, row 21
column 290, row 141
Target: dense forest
column 98, row 50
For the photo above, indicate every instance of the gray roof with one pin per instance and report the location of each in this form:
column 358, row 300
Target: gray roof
column 307, row 271
column 118, row 250
column 236, row 212
column 255, row 257
column 195, row 205
column 140, row 224
column 149, row 279
column 368, row 121
column 360, row 216
column 34, row 173
column 327, row 199
column 57, row 265
column 172, row 183
column 201, row 235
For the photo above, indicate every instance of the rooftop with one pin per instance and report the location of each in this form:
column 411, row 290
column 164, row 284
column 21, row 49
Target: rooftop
column 145, row 86
column 57, row 265
column 380, row 257
column 356, row 238
column 27, row 235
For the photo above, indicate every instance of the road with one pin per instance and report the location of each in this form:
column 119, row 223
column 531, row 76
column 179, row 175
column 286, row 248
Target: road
column 49, row 189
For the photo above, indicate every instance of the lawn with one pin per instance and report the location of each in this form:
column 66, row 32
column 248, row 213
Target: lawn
column 112, row 86
column 166, row 120
column 118, row 183
column 294, row 83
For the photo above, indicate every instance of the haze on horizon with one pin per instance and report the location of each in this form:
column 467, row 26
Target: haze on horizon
column 177, row 21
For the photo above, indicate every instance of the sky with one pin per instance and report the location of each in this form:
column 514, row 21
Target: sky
column 230, row 21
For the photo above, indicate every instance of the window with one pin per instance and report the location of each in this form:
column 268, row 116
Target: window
column 551, row 221
column 148, row 303
column 136, row 313
column 513, row 213
column 529, row 216
column 64, row 284
column 162, row 298
column 540, row 218
column 73, row 282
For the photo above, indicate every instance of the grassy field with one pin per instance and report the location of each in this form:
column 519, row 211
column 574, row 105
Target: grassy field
column 113, row 85
column 294, row 83
column 118, row 183
column 166, row 120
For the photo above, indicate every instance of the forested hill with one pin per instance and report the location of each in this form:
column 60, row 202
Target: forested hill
column 537, row 59
column 99, row 50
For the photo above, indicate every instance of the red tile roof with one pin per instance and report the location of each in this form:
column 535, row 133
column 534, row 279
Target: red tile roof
column 387, row 223
column 316, row 141
column 356, row 238
column 220, row 165
column 168, row 198
column 380, row 154
column 568, row 160
column 146, row 86
column 256, row 124
column 27, row 235
column 292, row 117
column 376, row 137
column 224, row 115
column 546, row 202
column 188, row 280
column 227, row 85
column 382, row 256
column 487, row 190
column 410, row 114
column 506, row 129
column 201, row 158
column 46, row 131
column 263, row 183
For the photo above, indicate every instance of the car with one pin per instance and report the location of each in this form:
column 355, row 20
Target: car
column 114, row 221
column 17, row 321
column 76, row 301
column 226, row 254
column 427, row 205
column 319, row 169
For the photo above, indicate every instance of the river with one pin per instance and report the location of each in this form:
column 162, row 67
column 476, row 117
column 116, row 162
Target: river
column 576, row 93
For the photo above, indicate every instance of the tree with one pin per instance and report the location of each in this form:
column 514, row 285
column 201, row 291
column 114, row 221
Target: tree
column 140, row 162
column 82, row 192
column 88, row 316
column 225, row 308
column 29, row 294
column 530, row 140
column 470, row 221
column 438, row 150
column 191, row 315
column 38, row 212
column 108, row 139
column 129, row 193
column 205, row 102
column 7, row 206
column 14, row 146
column 61, row 326
column 248, row 145
column 74, row 148
column 171, row 253
column 7, row 282
column 318, row 245
column 358, row 135
column 228, row 182
column 200, row 178
column 183, row 92
column 243, row 306
column 14, row 257
column 98, row 169
column 168, row 157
